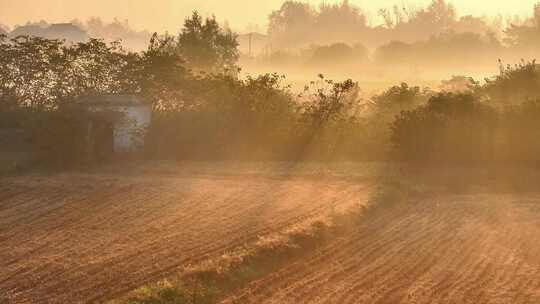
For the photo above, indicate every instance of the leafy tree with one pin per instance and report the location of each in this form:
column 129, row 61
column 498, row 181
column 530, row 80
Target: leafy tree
column 519, row 132
column 394, row 53
column 525, row 36
column 205, row 46
column 399, row 98
column 329, row 101
column 41, row 81
column 30, row 69
column 339, row 53
column 458, row 84
column 382, row 111
column 40, row 73
column 411, row 24
column 514, row 85
column 289, row 25
column 339, row 22
column 328, row 115
column 221, row 108
column 161, row 74
column 439, row 13
column 298, row 24
column 116, row 30
column 446, row 49
column 100, row 68
column 450, row 127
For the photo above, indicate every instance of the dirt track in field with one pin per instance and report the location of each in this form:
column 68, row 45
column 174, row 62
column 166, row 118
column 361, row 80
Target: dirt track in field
column 452, row 249
column 74, row 238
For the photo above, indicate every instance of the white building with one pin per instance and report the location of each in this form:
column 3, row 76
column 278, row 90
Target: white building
column 127, row 132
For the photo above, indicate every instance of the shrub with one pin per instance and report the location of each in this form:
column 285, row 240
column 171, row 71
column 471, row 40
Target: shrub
column 519, row 132
column 451, row 127
column 514, row 85
column 59, row 137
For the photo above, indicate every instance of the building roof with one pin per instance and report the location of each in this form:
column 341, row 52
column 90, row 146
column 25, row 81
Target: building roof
column 114, row 100
column 30, row 30
column 66, row 25
column 67, row 31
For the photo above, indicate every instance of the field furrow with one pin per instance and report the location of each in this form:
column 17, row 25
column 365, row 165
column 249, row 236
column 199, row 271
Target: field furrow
column 88, row 238
column 458, row 249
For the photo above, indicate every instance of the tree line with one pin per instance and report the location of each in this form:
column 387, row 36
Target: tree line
column 203, row 110
column 302, row 35
column 299, row 24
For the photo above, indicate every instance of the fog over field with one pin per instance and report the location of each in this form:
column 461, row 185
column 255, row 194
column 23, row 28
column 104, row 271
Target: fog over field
column 164, row 15
column 376, row 43
column 204, row 152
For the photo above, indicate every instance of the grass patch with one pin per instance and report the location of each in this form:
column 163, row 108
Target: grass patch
column 210, row 280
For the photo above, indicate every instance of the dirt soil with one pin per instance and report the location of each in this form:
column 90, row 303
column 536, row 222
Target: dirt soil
column 482, row 248
column 83, row 238
column 90, row 237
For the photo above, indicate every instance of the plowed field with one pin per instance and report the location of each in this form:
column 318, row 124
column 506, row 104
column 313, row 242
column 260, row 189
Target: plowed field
column 79, row 238
column 452, row 249
column 87, row 238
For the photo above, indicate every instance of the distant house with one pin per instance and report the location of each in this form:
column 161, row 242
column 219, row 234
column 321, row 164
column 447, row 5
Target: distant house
column 63, row 31
column 123, row 134
column 28, row 30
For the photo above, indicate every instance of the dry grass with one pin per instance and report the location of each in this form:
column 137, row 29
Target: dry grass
column 212, row 279
column 433, row 235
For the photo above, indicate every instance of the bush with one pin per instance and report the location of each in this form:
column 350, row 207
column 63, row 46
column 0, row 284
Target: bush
column 449, row 49
column 514, row 85
column 339, row 53
column 519, row 132
column 225, row 118
column 259, row 119
column 66, row 136
column 59, row 137
column 451, row 127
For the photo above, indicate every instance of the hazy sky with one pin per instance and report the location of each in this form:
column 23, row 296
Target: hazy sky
column 160, row 15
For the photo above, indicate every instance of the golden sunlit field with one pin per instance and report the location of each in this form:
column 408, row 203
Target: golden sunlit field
column 456, row 249
column 306, row 152
column 90, row 237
